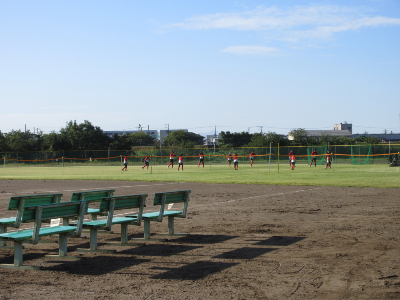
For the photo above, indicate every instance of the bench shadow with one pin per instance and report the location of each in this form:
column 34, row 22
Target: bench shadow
column 9, row 259
column 158, row 250
column 97, row 265
column 245, row 253
column 194, row 271
column 280, row 241
column 203, row 239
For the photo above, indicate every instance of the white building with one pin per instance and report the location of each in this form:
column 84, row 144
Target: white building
column 152, row 133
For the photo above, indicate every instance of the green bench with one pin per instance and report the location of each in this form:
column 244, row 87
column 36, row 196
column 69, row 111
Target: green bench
column 109, row 205
column 92, row 196
column 163, row 199
column 19, row 203
column 38, row 214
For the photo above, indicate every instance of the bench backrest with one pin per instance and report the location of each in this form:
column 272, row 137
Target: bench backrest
column 20, row 202
column 123, row 202
column 172, row 197
column 53, row 211
column 91, row 195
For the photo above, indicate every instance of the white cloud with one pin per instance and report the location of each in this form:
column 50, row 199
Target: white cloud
column 293, row 24
column 253, row 50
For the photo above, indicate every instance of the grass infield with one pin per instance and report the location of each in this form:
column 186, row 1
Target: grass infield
column 379, row 175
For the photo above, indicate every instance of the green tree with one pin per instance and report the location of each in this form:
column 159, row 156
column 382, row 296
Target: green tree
column 51, row 142
column 181, row 138
column 300, row 137
column 234, row 140
column 83, row 136
column 264, row 140
column 127, row 141
column 18, row 141
column 3, row 143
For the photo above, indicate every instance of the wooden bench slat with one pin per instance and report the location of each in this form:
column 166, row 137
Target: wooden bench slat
column 32, row 200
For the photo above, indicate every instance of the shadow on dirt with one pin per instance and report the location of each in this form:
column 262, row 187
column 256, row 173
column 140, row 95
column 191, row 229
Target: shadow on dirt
column 244, row 253
column 280, row 241
column 97, row 265
column 194, row 271
column 203, row 239
column 158, row 250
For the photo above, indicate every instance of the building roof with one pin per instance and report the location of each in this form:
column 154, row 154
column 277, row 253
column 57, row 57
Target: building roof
column 333, row 133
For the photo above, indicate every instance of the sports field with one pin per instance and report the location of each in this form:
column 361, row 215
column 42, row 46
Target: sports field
column 311, row 233
column 372, row 175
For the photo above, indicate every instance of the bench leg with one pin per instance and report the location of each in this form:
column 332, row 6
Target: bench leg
column 18, row 254
column 62, row 243
column 93, row 238
column 124, row 233
column 146, row 229
column 171, row 225
column 3, row 229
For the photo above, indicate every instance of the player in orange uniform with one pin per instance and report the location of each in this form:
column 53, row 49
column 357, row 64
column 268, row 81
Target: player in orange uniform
column 180, row 161
column 201, row 159
column 171, row 159
column 293, row 160
column 146, row 162
column 252, row 158
column 235, row 161
column 328, row 157
column 125, row 164
column 290, row 157
column 229, row 159
column 314, row 158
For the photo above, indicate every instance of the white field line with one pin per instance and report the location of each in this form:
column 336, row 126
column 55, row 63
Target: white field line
column 201, row 205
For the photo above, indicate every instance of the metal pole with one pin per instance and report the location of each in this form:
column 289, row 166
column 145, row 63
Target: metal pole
column 63, row 161
column 278, row 158
column 121, row 164
column 269, row 171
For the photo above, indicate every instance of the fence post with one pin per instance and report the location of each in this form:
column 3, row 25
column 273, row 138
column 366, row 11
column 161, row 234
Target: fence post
column 62, row 160
column 269, row 171
column 278, row 158
column 17, row 159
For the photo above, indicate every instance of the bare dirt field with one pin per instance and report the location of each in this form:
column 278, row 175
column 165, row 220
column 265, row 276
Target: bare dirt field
column 245, row 242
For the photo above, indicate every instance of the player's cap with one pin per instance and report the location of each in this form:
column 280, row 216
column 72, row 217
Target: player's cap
column 181, row 154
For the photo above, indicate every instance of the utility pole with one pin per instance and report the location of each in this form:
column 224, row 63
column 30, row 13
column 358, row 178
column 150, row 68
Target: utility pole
column 167, row 125
column 261, row 128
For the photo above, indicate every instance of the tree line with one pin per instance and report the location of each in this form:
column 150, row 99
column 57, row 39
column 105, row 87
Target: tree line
column 86, row 136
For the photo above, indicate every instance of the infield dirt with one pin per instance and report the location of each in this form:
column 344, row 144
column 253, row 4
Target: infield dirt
column 245, row 242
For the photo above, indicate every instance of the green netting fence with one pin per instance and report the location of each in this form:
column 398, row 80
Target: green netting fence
column 351, row 154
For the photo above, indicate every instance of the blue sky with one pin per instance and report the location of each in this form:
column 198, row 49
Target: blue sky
column 237, row 65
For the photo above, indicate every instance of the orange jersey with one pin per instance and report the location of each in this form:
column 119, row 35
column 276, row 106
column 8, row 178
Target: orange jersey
column 314, row 153
column 125, row 159
column 328, row 156
column 235, row 157
column 252, row 155
column 229, row 157
column 180, row 159
column 293, row 158
column 201, row 155
column 147, row 158
column 171, row 156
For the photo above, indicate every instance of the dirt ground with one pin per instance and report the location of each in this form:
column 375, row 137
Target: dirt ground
column 245, row 242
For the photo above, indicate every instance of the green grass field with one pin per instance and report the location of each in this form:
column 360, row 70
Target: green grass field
column 374, row 175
